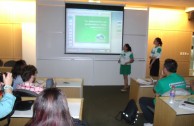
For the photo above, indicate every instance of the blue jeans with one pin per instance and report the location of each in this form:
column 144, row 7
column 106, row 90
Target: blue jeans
column 147, row 113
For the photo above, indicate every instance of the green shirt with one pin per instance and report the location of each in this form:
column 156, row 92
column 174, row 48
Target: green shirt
column 165, row 84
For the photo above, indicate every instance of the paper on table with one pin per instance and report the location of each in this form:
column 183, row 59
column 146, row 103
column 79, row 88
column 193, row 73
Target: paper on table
column 186, row 106
column 141, row 81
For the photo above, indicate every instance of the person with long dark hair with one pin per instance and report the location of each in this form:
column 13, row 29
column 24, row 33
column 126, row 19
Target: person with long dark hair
column 17, row 71
column 51, row 109
column 155, row 58
column 126, row 58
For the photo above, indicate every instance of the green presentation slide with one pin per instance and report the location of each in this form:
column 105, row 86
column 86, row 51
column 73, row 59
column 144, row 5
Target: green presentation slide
column 92, row 29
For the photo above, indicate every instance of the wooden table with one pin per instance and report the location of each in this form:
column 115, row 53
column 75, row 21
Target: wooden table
column 171, row 115
column 5, row 69
column 138, row 90
column 71, row 87
column 20, row 118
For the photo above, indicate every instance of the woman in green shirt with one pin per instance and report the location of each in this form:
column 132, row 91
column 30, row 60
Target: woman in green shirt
column 125, row 60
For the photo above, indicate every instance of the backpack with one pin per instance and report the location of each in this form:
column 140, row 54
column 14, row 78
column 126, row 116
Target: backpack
column 129, row 114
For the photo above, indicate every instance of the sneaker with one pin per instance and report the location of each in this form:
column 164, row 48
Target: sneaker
column 147, row 124
column 123, row 90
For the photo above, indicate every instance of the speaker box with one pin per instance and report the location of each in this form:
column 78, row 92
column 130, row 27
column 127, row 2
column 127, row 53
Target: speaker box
column 191, row 16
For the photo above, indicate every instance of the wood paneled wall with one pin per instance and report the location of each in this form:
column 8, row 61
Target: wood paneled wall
column 173, row 27
column 12, row 15
column 10, row 41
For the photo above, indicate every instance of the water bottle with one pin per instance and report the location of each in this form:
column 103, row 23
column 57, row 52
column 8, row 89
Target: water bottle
column 172, row 95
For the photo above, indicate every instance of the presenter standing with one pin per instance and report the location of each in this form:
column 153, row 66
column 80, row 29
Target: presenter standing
column 125, row 60
column 155, row 58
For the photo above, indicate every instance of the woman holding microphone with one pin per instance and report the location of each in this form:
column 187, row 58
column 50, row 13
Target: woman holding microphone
column 126, row 58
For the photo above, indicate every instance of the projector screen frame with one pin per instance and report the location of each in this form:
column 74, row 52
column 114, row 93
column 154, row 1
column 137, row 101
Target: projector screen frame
column 96, row 7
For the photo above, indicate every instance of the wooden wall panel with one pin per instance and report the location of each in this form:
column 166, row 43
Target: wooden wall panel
column 17, row 41
column 6, row 38
column 173, row 27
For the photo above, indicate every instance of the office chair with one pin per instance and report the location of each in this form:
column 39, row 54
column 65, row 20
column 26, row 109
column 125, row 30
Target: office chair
column 9, row 63
column 1, row 63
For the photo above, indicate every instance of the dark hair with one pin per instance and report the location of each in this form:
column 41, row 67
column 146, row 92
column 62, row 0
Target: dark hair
column 159, row 41
column 128, row 47
column 28, row 71
column 17, row 69
column 51, row 109
column 171, row 65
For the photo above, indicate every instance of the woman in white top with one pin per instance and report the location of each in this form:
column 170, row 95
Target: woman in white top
column 126, row 58
column 155, row 57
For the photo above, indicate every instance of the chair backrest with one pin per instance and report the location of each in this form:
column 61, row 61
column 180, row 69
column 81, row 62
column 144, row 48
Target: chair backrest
column 179, row 91
column 9, row 63
column 24, row 93
column 1, row 63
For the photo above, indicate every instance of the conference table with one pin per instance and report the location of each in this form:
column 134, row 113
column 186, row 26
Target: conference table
column 167, row 114
column 20, row 118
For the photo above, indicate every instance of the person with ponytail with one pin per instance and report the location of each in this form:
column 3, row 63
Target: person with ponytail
column 155, row 58
column 125, row 60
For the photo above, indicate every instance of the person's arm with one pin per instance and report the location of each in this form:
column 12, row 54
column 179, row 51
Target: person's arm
column 8, row 100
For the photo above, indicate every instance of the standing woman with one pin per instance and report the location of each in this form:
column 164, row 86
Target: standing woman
column 126, row 58
column 155, row 57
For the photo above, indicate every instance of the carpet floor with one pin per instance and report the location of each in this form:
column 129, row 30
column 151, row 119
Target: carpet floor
column 103, row 103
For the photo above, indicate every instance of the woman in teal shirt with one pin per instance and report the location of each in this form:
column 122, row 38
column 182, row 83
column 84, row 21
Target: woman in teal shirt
column 8, row 99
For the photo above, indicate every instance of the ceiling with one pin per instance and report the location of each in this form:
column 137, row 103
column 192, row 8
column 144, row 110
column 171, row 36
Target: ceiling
column 162, row 3
column 167, row 3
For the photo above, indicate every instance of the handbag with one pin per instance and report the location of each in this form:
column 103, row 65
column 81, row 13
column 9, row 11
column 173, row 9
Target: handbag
column 129, row 114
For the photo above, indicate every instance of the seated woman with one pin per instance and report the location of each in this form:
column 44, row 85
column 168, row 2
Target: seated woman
column 8, row 99
column 17, row 71
column 28, row 76
column 51, row 109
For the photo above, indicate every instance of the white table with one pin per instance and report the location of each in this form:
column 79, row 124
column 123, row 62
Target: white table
column 71, row 89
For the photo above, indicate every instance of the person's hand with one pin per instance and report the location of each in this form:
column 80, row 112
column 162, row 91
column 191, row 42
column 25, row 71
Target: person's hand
column 7, row 79
column 162, row 75
column 150, row 66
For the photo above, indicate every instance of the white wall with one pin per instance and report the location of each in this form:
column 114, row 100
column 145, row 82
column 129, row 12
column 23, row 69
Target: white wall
column 94, row 69
column 29, row 43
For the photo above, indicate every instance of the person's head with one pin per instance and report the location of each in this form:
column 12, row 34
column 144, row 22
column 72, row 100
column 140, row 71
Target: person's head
column 157, row 41
column 28, row 74
column 127, row 48
column 170, row 66
column 51, row 109
column 18, row 67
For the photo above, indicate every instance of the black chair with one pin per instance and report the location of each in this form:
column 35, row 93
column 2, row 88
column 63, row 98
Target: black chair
column 24, row 93
column 1, row 63
column 9, row 63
